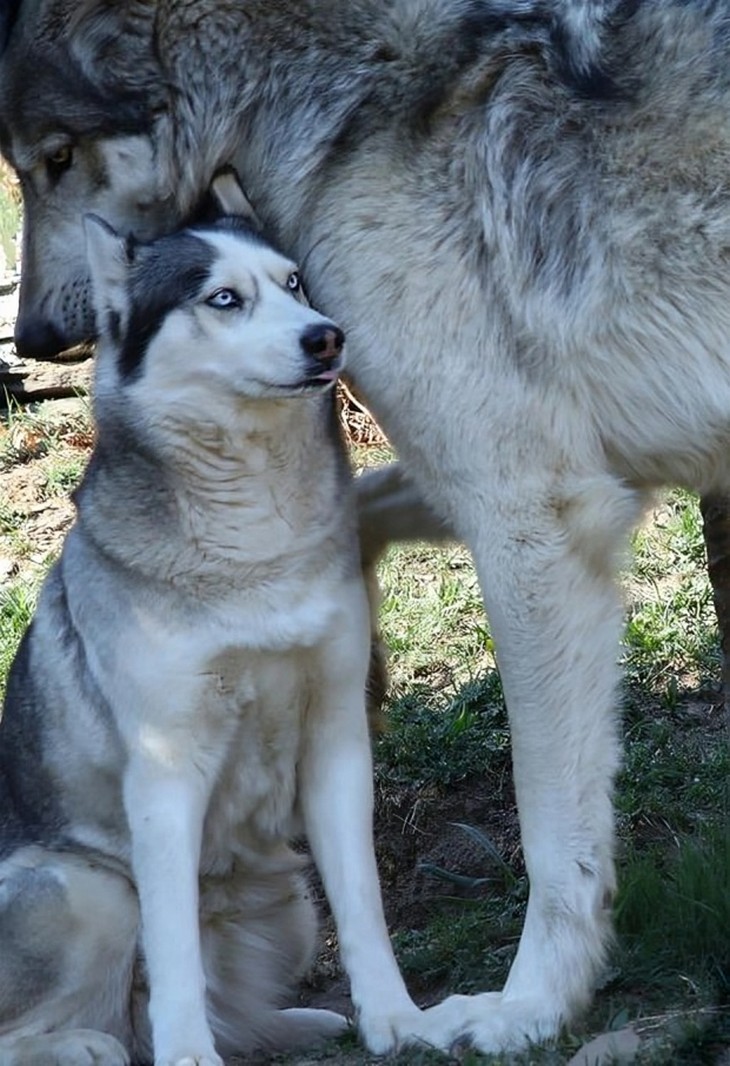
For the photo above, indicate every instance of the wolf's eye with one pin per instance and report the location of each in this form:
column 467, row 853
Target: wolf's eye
column 59, row 161
column 224, row 299
column 293, row 282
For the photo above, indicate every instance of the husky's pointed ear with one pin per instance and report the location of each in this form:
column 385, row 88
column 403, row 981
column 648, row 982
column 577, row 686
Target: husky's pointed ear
column 108, row 256
column 229, row 198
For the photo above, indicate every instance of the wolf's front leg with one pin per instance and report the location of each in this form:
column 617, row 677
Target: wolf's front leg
column 336, row 796
column 547, row 567
column 165, row 810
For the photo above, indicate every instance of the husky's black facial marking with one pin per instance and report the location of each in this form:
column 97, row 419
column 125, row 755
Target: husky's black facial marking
column 207, row 216
column 163, row 275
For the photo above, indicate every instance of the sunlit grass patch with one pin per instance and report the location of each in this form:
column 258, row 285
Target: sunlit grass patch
column 17, row 603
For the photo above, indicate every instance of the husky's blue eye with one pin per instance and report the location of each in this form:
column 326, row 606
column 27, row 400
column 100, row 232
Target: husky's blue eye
column 293, row 283
column 224, row 299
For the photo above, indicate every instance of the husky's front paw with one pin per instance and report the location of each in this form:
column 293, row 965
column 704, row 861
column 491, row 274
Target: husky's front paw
column 178, row 1044
column 185, row 1053
column 384, row 1033
column 191, row 1060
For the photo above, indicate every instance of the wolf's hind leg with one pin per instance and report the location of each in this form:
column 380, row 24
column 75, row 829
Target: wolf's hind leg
column 391, row 510
column 68, row 929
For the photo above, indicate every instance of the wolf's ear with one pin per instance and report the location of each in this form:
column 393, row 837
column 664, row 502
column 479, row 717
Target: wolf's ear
column 9, row 11
column 108, row 257
column 229, row 198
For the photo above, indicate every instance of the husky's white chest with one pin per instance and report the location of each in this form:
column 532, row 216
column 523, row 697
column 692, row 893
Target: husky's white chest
column 227, row 699
column 256, row 713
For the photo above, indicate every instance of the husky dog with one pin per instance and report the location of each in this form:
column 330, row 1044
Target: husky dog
column 520, row 212
column 191, row 689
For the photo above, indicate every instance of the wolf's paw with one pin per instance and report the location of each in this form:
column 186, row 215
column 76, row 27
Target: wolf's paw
column 75, row 1047
column 490, row 1022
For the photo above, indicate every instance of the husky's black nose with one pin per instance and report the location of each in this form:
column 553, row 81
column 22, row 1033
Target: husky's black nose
column 323, row 342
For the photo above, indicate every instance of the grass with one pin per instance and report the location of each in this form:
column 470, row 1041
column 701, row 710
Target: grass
column 9, row 214
column 432, row 605
column 28, row 433
column 43, row 451
column 683, row 890
column 17, row 603
column 437, row 738
column 448, row 737
column 671, row 634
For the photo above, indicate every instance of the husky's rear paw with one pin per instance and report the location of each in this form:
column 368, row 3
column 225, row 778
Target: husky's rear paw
column 300, row 1027
column 75, row 1047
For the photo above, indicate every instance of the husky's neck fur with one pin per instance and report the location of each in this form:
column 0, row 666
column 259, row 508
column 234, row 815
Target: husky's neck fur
column 222, row 506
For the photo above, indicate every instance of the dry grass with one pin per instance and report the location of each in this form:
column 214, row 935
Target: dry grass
column 9, row 185
column 361, row 429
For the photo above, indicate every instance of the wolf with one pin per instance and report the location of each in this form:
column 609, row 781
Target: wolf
column 190, row 693
column 519, row 211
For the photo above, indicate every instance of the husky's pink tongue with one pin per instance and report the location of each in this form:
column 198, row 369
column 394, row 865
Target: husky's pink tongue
column 328, row 375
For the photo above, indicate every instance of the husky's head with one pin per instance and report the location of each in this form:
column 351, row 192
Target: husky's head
column 207, row 316
column 78, row 106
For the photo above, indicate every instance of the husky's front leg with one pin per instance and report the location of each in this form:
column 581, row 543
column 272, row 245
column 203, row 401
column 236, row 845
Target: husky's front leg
column 336, row 798
column 165, row 810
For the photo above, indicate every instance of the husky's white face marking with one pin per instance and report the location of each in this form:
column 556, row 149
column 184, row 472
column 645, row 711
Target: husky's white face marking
column 244, row 331
column 208, row 315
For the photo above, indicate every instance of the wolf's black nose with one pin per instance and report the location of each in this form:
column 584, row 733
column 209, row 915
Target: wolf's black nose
column 323, row 341
column 37, row 339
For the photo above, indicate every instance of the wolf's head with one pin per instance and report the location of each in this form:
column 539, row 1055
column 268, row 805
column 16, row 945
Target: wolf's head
column 78, row 102
column 206, row 317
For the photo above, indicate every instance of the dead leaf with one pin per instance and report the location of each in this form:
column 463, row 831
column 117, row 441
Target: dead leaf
column 620, row 1046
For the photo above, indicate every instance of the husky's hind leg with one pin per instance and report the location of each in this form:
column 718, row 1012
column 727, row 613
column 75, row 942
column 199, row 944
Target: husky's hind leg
column 68, row 930
column 258, row 933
